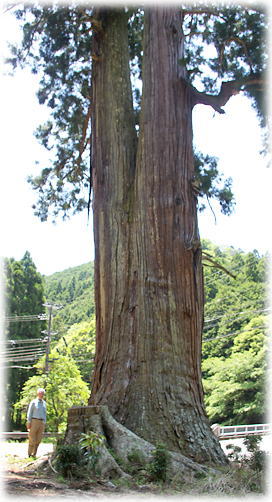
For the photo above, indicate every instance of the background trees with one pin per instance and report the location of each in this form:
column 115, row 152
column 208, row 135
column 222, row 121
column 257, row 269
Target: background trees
column 234, row 338
column 72, row 358
column 234, row 344
column 78, row 343
column 64, row 389
column 149, row 289
column 24, row 291
column 74, row 289
column 234, row 382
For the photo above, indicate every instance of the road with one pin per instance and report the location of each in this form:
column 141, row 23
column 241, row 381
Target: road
column 20, row 449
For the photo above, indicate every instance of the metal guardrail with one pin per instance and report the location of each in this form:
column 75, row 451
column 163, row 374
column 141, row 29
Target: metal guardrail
column 233, row 431
column 225, row 432
column 21, row 435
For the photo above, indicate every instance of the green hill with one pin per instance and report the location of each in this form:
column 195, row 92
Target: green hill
column 74, row 289
column 231, row 301
column 234, row 335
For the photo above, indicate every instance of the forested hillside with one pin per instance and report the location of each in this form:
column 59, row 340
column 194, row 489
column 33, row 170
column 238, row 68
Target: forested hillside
column 234, row 339
column 24, row 295
column 233, row 362
column 73, row 288
column 234, row 328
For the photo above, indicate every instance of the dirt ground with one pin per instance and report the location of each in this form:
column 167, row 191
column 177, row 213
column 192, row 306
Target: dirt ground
column 28, row 485
column 23, row 483
column 22, row 479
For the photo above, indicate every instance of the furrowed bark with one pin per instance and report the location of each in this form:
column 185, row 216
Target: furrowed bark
column 168, row 310
column 113, row 164
column 148, row 270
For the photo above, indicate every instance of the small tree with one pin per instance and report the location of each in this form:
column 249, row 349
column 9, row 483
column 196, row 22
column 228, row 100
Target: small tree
column 64, row 388
column 235, row 387
column 79, row 343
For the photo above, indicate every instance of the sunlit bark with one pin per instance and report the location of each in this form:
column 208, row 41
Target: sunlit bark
column 148, row 270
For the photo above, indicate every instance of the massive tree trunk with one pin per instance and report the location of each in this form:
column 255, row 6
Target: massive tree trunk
column 148, row 271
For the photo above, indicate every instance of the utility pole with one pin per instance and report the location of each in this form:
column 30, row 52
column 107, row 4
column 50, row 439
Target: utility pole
column 49, row 332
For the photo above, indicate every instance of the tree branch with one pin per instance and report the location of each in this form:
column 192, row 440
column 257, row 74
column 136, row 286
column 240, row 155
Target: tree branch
column 207, row 10
column 227, row 90
column 83, row 142
column 238, row 41
column 209, row 258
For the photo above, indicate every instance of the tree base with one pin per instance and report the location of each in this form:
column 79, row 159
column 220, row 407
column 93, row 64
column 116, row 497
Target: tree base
column 122, row 446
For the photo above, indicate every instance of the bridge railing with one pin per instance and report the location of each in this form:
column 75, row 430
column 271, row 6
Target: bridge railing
column 22, row 435
column 230, row 431
column 224, row 432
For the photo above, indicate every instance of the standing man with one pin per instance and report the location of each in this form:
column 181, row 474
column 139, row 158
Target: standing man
column 36, row 419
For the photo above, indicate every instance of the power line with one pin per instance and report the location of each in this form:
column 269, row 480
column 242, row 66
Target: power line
column 23, row 347
column 237, row 314
column 26, row 318
column 228, row 335
column 32, row 352
column 21, row 352
column 32, row 357
column 26, row 340
column 25, row 343
column 31, row 349
column 210, row 280
column 24, row 354
column 19, row 367
column 35, row 357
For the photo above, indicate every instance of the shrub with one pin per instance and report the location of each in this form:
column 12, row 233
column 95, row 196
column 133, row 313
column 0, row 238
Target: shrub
column 257, row 459
column 158, row 466
column 69, row 460
column 90, row 445
column 235, row 454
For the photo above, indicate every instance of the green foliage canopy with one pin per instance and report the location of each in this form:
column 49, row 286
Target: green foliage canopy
column 231, row 303
column 74, row 289
column 24, row 290
column 235, row 387
column 79, row 344
column 234, row 339
column 64, row 389
column 221, row 43
column 24, row 295
column 234, row 334
column 234, row 349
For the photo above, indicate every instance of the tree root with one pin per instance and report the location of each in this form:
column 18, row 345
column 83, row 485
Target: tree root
column 121, row 446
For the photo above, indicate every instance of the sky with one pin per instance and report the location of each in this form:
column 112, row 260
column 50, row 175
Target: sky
column 235, row 138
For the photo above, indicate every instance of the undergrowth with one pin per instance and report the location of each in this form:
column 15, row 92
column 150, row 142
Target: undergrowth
column 243, row 475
